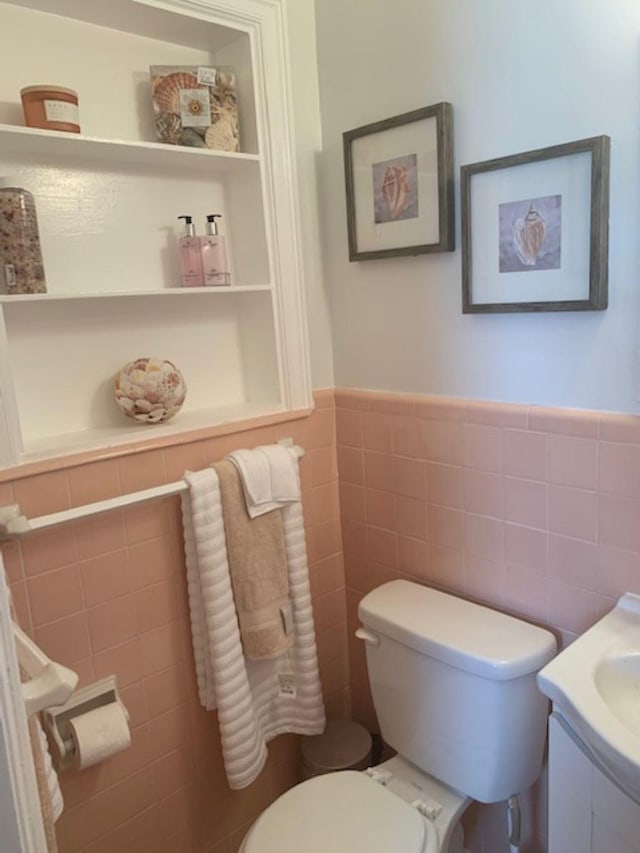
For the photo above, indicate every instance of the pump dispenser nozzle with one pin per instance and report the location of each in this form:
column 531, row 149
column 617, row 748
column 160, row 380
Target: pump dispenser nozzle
column 212, row 225
column 189, row 227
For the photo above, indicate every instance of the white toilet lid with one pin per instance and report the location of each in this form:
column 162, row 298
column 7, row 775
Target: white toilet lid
column 344, row 812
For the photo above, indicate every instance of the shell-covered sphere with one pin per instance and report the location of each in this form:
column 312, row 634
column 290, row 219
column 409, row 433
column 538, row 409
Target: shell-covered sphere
column 150, row 390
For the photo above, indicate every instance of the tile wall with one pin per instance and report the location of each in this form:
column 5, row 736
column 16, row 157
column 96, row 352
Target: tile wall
column 530, row 509
column 108, row 595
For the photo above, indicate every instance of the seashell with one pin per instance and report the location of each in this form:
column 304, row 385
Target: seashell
column 528, row 236
column 192, row 139
column 224, row 91
column 223, row 134
column 169, row 128
column 167, row 92
column 395, row 189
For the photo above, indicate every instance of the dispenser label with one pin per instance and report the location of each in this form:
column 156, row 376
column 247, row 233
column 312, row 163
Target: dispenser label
column 10, row 277
column 61, row 111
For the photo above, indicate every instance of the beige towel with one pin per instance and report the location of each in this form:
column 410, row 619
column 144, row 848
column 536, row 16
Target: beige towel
column 258, row 568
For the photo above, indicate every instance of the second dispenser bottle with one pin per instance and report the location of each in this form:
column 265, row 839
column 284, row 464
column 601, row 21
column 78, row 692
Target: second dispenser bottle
column 203, row 260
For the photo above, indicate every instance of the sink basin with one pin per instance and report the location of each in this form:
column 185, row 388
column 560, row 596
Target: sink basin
column 618, row 682
column 595, row 685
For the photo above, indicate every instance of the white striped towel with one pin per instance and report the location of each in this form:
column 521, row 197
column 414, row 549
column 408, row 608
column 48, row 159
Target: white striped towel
column 252, row 708
column 57, row 803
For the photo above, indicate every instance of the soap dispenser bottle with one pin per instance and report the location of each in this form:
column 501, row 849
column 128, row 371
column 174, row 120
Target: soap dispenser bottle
column 214, row 255
column 190, row 256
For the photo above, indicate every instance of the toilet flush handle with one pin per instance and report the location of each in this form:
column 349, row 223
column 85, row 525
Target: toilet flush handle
column 368, row 636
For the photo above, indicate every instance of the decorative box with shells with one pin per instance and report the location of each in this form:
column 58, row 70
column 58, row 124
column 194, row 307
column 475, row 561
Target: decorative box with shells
column 195, row 106
column 150, row 390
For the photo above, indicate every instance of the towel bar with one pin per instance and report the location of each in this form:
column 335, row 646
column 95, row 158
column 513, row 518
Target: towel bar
column 13, row 524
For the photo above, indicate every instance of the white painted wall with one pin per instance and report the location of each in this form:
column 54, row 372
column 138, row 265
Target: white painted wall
column 520, row 76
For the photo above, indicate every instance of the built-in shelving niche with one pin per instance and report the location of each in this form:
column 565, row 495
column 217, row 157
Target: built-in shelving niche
column 108, row 201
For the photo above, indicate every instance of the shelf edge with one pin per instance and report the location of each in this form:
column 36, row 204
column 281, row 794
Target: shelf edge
column 73, row 459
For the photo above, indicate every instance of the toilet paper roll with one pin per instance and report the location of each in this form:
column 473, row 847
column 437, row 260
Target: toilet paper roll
column 99, row 734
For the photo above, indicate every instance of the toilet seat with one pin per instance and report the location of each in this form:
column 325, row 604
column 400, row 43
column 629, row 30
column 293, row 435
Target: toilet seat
column 344, row 812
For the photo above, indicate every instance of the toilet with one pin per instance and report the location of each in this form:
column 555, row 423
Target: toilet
column 454, row 688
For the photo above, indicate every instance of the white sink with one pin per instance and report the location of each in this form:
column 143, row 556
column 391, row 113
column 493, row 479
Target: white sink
column 595, row 684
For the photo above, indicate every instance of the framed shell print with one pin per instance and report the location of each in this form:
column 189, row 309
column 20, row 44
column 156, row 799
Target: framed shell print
column 535, row 230
column 399, row 185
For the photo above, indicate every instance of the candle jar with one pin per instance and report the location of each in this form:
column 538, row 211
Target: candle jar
column 51, row 108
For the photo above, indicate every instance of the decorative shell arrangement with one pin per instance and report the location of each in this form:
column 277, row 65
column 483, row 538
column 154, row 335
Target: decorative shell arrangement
column 150, row 390
column 188, row 112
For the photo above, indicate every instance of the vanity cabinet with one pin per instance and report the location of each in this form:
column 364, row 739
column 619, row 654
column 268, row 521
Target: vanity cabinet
column 588, row 813
column 108, row 201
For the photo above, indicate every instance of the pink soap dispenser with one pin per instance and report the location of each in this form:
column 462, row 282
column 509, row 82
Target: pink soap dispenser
column 190, row 256
column 214, row 255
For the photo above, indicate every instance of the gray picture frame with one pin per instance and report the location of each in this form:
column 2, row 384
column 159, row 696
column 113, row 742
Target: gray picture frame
column 595, row 296
column 438, row 193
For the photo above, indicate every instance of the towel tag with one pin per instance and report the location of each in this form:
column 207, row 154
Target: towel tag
column 287, row 685
column 287, row 619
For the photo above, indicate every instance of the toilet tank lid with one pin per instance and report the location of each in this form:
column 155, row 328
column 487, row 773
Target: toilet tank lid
column 457, row 632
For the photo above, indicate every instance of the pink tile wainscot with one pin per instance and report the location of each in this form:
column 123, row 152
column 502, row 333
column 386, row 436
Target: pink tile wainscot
column 108, row 595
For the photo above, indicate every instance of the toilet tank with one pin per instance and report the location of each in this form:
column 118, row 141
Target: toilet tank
column 454, row 687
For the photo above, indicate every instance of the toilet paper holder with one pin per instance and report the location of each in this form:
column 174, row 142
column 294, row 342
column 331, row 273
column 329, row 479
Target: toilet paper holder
column 56, row 720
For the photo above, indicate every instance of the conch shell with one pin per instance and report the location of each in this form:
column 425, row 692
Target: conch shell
column 528, row 236
column 167, row 91
column 395, row 190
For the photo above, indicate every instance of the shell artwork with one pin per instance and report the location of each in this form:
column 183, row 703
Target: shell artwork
column 167, row 91
column 150, row 390
column 528, row 236
column 195, row 106
column 395, row 189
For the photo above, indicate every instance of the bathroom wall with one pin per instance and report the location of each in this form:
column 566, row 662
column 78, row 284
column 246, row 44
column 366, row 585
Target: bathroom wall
column 519, row 77
column 529, row 509
column 108, row 595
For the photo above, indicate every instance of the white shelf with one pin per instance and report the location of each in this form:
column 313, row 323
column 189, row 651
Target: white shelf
column 181, row 292
column 130, row 432
column 30, row 141
column 143, row 17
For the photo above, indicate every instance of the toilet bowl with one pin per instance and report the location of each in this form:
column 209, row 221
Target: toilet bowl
column 454, row 688
column 392, row 808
